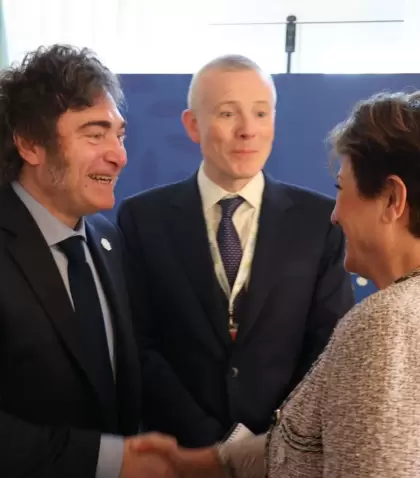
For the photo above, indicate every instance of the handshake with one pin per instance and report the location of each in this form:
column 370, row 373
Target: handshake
column 159, row 456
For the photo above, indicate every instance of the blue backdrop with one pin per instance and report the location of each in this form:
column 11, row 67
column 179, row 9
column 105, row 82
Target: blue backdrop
column 159, row 152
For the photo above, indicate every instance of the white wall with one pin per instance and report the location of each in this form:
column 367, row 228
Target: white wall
column 322, row 46
column 249, row 11
column 177, row 36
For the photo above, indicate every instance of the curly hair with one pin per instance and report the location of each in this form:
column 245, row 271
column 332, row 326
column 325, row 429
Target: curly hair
column 381, row 138
column 35, row 93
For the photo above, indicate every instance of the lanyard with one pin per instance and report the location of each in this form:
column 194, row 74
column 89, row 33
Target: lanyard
column 246, row 262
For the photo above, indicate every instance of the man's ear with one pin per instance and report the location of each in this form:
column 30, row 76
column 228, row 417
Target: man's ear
column 30, row 152
column 189, row 121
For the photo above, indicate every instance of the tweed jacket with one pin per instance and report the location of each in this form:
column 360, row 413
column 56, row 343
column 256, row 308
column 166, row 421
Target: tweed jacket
column 357, row 411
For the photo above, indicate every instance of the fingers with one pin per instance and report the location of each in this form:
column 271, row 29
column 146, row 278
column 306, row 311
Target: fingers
column 148, row 463
column 153, row 442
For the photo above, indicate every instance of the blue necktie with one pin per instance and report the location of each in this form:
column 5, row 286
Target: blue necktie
column 228, row 239
column 88, row 314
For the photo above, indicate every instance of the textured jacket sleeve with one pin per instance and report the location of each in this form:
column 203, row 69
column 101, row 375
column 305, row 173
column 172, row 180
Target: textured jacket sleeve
column 371, row 409
column 245, row 457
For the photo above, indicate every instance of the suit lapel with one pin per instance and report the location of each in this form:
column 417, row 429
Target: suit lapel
column 101, row 259
column 30, row 252
column 109, row 267
column 188, row 230
column 273, row 244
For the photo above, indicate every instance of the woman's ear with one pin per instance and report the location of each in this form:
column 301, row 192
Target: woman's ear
column 396, row 199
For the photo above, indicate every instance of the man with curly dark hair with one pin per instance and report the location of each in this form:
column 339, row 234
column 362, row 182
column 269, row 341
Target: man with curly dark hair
column 69, row 377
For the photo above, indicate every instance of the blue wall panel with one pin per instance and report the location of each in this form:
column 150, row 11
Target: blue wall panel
column 308, row 106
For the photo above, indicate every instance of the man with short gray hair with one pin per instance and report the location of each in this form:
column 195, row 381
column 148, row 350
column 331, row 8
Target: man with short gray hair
column 239, row 284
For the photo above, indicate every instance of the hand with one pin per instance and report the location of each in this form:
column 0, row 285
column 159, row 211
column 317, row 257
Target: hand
column 197, row 463
column 153, row 442
column 146, row 465
column 152, row 461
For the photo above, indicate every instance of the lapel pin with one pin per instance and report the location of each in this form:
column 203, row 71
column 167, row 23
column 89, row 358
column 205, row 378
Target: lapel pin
column 106, row 244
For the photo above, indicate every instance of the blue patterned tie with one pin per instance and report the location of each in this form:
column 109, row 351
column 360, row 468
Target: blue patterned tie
column 228, row 239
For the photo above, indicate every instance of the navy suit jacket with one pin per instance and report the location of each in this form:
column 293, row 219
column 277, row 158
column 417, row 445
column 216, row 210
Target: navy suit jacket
column 51, row 413
column 196, row 382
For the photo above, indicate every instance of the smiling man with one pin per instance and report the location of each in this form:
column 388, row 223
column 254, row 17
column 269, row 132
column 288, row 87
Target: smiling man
column 69, row 372
column 237, row 279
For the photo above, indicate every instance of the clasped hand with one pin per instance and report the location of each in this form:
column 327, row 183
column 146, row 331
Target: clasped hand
column 155, row 455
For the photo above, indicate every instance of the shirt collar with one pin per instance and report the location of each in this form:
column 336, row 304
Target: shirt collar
column 53, row 230
column 211, row 193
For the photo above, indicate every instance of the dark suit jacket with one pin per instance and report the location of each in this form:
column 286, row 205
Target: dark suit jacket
column 51, row 415
column 196, row 382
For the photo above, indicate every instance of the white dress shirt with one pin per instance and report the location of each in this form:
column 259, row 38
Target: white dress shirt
column 243, row 217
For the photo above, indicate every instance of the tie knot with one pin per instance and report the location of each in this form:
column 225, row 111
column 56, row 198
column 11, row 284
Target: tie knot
column 73, row 249
column 229, row 205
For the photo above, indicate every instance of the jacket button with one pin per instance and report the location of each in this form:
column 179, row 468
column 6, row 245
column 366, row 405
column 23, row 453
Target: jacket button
column 235, row 372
